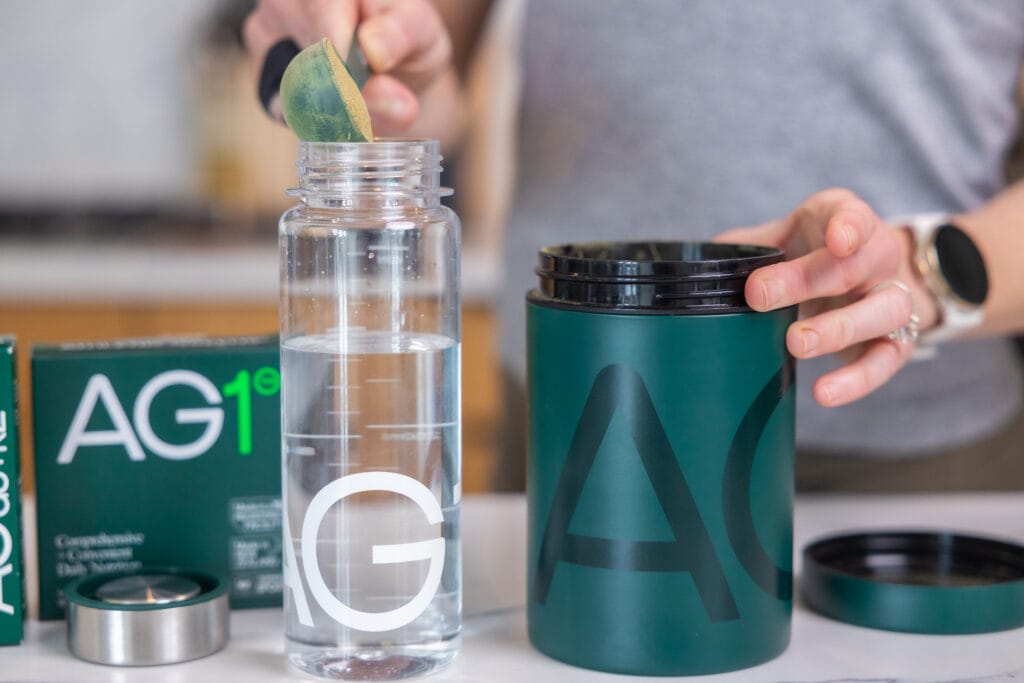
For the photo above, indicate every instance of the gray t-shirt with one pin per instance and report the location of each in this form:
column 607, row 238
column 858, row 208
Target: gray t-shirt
column 677, row 120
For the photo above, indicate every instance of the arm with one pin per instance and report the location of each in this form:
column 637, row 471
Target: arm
column 843, row 259
column 998, row 230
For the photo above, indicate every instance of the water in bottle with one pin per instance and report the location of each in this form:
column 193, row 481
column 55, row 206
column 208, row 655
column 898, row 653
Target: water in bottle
column 370, row 395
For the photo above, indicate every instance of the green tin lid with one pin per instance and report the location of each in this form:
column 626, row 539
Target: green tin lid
column 916, row 581
column 152, row 615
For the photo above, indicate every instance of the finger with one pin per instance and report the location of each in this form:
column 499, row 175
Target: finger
column 408, row 37
column 331, row 19
column 850, row 227
column 392, row 106
column 821, row 274
column 877, row 314
column 773, row 234
column 845, row 220
column 260, row 32
column 879, row 362
column 815, row 275
column 371, row 7
column 289, row 20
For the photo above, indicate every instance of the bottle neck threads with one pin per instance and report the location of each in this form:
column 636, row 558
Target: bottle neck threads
column 366, row 175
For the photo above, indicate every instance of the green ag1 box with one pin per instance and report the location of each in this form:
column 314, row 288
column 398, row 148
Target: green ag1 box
column 159, row 452
column 11, row 603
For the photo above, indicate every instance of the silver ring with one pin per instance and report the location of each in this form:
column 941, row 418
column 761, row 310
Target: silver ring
column 909, row 332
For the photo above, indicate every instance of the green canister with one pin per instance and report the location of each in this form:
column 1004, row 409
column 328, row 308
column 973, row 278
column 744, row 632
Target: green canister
column 660, row 468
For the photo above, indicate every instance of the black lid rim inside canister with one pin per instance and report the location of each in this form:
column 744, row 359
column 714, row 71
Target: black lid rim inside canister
column 935, row 582
column 675, row 278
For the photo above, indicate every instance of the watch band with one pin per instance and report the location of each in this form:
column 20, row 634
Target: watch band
column 956, row 315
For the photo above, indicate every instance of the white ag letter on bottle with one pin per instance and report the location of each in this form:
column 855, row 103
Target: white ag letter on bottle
column 432, row 549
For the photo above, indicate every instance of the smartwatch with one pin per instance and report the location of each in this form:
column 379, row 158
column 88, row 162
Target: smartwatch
column 953, row 271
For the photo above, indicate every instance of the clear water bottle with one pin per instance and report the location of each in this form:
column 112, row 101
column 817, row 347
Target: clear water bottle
column 370, row 367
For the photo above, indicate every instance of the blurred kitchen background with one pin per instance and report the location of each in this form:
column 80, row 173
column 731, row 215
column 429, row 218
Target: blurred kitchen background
column 141, row 184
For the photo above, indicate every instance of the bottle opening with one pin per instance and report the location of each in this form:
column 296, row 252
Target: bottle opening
column 382, row 167
column 674, row 278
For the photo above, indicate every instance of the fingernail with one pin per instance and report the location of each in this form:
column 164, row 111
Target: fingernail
column 275, row 109
column 830, row 392
column 810, row 339
column 850, row 236
column 772, row 290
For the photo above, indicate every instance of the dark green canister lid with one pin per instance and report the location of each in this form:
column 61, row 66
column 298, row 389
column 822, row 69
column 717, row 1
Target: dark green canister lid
column 916, row 581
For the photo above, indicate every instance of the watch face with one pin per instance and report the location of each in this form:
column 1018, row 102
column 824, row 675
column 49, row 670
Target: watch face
column 961, row 264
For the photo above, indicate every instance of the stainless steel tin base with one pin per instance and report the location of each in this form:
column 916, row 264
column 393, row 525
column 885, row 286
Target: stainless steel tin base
column 142, row 632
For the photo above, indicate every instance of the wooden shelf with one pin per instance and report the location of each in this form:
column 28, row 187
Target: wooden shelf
column 35, row 323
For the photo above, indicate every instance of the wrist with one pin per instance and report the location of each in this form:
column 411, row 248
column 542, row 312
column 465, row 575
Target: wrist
column 925, row 303
column 951, row 270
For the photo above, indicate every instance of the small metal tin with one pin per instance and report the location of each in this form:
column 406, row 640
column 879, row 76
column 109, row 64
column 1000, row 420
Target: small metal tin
column 155, row 615
column 148, row 589
column 916, row 581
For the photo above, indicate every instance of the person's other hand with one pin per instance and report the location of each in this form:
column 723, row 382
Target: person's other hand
column 405, row 42
column 842, row 261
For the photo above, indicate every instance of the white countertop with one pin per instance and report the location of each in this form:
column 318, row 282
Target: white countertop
column 495, row 646
column 57, row 272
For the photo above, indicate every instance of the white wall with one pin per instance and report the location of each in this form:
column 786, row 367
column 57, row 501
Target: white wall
column 94, row 100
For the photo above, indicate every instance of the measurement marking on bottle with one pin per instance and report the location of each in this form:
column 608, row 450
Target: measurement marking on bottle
column 383, row 380
column 432, row 435
column 421, row 425
column 386, row 247
column 301, row 450
column 352, row 464
column 293, row 435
